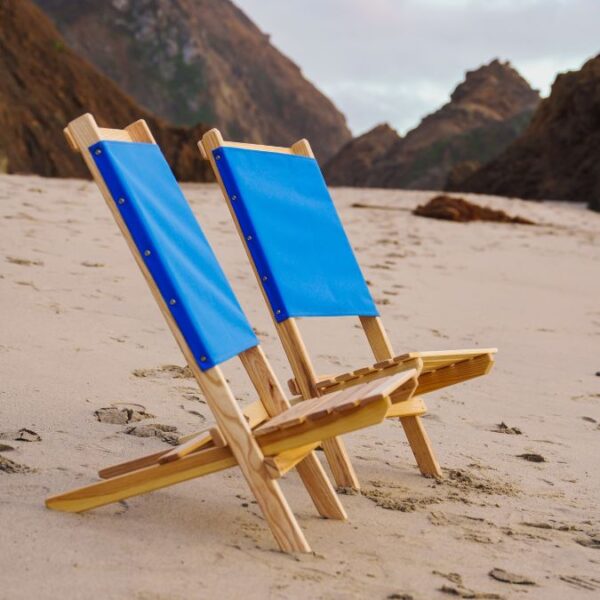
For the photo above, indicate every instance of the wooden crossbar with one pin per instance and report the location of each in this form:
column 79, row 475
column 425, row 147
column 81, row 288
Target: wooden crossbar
column 285, row 447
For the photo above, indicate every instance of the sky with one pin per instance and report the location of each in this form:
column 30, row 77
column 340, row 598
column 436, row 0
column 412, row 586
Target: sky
column 397, row 60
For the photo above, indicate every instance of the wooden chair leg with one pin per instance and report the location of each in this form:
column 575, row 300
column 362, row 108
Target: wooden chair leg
column 340, row 464
column 250, row 458
column 413, row 427
column 311, row 472
column 320, row 489
column 421, row 446
column 276, row 510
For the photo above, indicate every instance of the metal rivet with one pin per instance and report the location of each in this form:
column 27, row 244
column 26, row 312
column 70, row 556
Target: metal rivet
column 97, row 151
column 249, row 238
column 278, row 312
column 121, row 200
column 217, row 156
column 264, row 278
column 203, row 359
column 147, row 252
column 234, row 197
column 172, row 301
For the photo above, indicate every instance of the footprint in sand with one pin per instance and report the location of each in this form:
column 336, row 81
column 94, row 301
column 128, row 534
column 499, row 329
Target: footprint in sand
column 582, row 581
column 174, row 371
column 25, row 261
column 591, row 540
column 508, row 577
column 532, row 457
column 504, row 428
column 88, row 263
column 193, row 412
column 9, row 466
column 122, row 415
column 166, row 433
column 22, row 435
column 192, row 394
column 458, row 589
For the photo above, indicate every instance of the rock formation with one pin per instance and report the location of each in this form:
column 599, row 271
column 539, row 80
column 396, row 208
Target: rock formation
column 192, row 61
column 352, row 164
column 45, row 85
column 485, row 113
column 557, row 156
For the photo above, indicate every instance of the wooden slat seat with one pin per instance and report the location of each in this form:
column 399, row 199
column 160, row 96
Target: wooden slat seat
column 396, row 387
column 471, row 363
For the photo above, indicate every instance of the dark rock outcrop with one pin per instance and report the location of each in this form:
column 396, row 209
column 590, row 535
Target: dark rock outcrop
column 45, row 85
column 352, row 164
column 558, row 155
column 486, row 112
column 203, row 61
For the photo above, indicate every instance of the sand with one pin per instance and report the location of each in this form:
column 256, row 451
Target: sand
column 79, row 333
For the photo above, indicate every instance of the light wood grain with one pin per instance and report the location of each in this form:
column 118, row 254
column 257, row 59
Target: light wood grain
column 275, row 402
column 413, row 428
column 210, row 460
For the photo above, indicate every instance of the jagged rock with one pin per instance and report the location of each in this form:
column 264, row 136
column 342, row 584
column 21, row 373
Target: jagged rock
column 201, row 60
column 557, row 156
column 486, row 112
column 352, row 164
column 449, row 208
column 45, row 85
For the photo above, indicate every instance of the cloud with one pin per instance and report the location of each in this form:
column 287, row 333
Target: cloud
column 396, row 60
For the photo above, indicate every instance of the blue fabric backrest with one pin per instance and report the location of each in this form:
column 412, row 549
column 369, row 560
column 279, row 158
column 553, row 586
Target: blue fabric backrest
column 295, row 236
column 175, row 250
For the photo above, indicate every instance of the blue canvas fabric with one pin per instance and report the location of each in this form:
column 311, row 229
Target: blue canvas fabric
column 294, row 234
column 175, row 250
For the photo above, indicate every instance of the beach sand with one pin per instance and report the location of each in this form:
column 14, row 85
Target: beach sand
column 79, row 332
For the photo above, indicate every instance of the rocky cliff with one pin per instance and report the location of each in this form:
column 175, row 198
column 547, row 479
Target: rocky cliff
column 557, row 156
column 486, row 112
column 45, row 85
column 351, row 165
column 201, row 61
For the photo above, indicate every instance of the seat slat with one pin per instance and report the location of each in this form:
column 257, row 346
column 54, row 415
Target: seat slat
column 432, row 361
column 352, row 398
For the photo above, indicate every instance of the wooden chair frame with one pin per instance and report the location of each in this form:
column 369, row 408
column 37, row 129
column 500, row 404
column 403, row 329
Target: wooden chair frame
column 435, row 369
column 263, row 453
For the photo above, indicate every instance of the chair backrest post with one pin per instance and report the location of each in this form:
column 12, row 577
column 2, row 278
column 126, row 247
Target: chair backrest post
column 377, row 338
column 302, row 148
column 140, row 132
column 264, row 381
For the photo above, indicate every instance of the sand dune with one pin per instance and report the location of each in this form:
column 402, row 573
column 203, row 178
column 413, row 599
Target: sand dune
column 85, row 355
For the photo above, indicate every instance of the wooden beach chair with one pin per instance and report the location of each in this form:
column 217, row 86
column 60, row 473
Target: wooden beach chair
column 305, row 267
column 269, row 437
